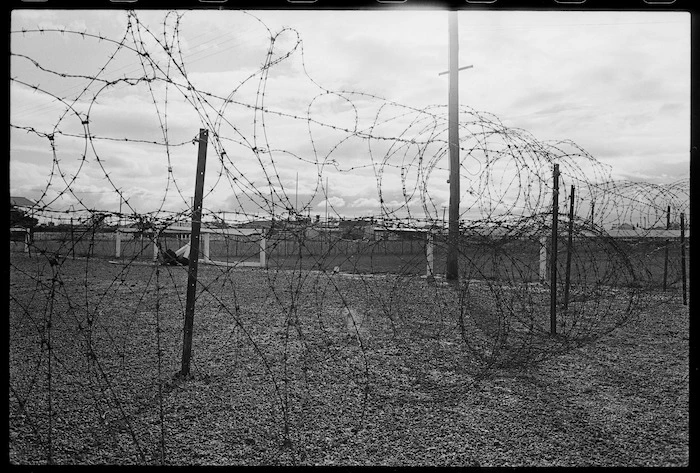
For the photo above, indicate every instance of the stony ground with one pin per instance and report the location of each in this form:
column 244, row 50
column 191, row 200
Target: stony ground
column 277, row 378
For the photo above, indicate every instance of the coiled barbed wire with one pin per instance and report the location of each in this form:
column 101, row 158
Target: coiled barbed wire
column 75, row 306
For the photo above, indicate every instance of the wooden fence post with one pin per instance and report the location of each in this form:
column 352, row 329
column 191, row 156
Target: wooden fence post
column 27, row 239
column 72, row 240
column 668, row 227
column 430, row 270
column 543, row 258
column 194, row 253
column 26, row 242
column 118, row 239
column 155, row 247
column 206, row 246
column 553, row 264
column 263, row 251
column 567, row 281
column 683, row 272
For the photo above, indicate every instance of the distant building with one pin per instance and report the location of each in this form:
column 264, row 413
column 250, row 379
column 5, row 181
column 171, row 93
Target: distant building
column 20, row 202
column 19, row 217
column 623, row 226
column 354, row 229
column 396, row 234
column 257, row 224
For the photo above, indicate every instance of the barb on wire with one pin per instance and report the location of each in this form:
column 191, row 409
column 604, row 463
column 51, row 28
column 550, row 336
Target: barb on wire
column 293, row 307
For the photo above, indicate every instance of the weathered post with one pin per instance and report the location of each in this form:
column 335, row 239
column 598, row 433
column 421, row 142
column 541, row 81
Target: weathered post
column 567, row 281
column 72, row 239
column 263, row 251
column 207, row 237
column 553, row 259
column 155, row 247
column 27, row 240
column 683, row 273
column 668, row 227
column 194, row 254
column 543, row 258
column 430, row 270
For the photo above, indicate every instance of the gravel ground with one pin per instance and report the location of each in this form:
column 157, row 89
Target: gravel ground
column 277, row 378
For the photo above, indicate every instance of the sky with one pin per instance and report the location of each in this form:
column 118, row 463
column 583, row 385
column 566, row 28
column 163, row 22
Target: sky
column 615, row 83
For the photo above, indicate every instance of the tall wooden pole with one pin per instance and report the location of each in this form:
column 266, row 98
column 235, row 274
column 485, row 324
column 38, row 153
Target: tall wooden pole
column 452, row 267
column 194, row 253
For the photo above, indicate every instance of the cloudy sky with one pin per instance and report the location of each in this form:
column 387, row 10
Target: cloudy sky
column 616, row 83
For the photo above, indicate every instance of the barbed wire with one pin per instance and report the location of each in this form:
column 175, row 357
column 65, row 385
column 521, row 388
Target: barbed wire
column 96, row 315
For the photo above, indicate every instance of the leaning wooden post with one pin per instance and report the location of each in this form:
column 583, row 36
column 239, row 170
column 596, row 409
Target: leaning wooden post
column 553, row 264
column 567, row 280
column 194, row 253
column 683, row 275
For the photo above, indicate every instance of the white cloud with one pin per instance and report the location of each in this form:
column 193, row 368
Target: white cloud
column 615, row 83
column 337, row 202
column 365, row 203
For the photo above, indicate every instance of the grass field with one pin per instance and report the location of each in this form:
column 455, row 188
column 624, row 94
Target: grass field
column 277, row 377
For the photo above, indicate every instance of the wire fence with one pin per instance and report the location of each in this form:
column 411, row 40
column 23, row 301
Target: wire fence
column 292, row 302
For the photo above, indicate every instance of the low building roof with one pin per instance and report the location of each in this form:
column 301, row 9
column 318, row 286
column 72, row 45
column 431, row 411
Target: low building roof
column 20, row 201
